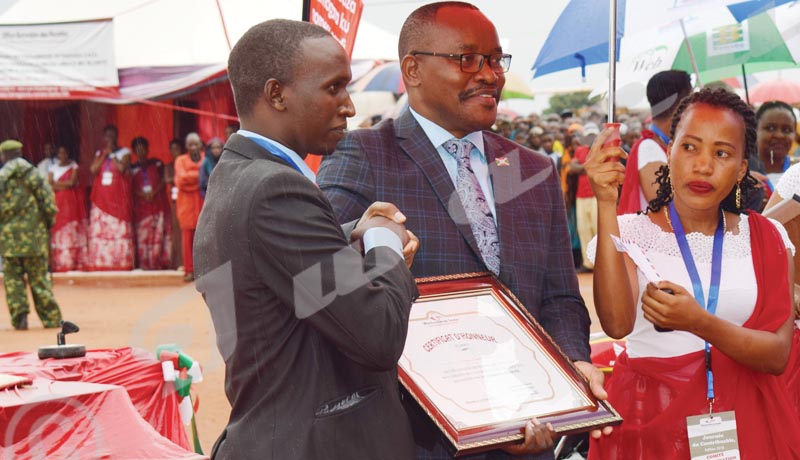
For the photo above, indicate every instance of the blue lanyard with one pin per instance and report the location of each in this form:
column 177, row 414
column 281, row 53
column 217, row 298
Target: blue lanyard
column 716, row 272
column 664, row 138
column 269, row 148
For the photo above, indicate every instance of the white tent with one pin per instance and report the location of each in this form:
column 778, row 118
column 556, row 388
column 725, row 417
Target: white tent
column 191, row 37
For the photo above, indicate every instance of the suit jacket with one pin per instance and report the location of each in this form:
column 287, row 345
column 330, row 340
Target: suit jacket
column 396, row 162
column 310, row 340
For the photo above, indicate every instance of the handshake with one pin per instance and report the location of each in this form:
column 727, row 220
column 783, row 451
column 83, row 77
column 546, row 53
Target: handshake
column 386, row 215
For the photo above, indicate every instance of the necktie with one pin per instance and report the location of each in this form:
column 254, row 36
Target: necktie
column 474, row 202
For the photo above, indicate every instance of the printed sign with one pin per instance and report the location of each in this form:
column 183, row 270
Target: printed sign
column 339, row 17
column 728, row 39
column 58, row 61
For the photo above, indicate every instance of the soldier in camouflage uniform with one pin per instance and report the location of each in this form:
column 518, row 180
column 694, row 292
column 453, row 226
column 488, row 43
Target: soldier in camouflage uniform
column 27, row 212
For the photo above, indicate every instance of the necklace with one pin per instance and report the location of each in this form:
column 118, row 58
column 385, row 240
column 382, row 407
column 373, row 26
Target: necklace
column 669, row 221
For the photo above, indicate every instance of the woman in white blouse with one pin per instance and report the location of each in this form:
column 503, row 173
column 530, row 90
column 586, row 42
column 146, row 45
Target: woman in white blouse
column 721, row 356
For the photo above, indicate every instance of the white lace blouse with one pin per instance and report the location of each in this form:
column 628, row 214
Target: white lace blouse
column 789, row 183
column 738, row 288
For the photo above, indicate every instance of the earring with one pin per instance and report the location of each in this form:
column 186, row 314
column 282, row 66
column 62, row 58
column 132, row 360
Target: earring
column 738, row 196
column 771, row 157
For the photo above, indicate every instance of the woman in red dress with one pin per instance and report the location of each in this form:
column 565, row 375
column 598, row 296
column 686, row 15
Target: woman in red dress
column 151, row 210
column 110, row 220
column 68, row 235
column 716, row 333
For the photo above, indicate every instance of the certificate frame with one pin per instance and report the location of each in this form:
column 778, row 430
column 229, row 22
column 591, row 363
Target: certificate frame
column 582, row 415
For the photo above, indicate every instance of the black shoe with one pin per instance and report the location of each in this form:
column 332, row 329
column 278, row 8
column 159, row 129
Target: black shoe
column 22, row 325
column 584, row 270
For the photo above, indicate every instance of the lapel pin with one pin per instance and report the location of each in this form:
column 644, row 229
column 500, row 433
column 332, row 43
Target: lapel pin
column 502, row 161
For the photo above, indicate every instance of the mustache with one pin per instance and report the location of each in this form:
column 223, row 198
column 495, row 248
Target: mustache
column 480, row 90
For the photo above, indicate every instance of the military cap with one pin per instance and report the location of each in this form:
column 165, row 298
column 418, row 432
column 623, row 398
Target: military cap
column 10, row 144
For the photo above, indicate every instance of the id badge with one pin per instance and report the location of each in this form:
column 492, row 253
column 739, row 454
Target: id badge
column 107, row 177
column 174, row 193
column 147, row 189
column 713, row 436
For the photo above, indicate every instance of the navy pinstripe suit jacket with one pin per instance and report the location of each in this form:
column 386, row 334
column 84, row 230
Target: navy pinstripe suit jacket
column 396, row 162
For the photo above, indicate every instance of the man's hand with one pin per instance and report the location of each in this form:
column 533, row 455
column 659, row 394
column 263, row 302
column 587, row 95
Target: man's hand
column 410, row 249
column 595, row 378
column 538, row 438
column 381, row 214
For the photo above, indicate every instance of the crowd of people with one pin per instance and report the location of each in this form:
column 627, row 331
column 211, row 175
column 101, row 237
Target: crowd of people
column 567, row 137
column 140, row 213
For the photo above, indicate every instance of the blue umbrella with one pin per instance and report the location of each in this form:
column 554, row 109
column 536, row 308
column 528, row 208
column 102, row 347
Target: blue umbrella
column 744, row 10
column 385, row 77
column 580, row 35
column 577, row 40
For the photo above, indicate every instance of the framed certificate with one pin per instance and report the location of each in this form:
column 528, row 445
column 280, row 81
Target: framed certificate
column 480, row 366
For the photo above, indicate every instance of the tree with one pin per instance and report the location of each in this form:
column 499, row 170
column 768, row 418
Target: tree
column 570, row 101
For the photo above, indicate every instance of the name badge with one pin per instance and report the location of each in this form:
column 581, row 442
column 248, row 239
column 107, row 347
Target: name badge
column 107, row 178
column 147, row 189
column 713, row 436
column 174, row 193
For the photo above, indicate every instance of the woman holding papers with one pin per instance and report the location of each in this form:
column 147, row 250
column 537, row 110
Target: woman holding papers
column 705, row 381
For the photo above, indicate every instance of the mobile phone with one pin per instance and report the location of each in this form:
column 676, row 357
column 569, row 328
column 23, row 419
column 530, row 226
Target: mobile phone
column 664, row 329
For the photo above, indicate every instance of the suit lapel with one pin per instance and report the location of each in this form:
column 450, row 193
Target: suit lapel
column 502, row 169
column 415, row 143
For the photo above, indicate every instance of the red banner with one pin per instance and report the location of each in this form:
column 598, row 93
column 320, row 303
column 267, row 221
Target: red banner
column 339, row 17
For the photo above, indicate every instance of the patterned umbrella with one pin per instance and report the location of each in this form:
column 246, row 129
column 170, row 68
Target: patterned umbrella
column 385, row 77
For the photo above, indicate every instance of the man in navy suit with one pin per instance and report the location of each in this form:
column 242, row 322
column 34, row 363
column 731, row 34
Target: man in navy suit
column 453, row 68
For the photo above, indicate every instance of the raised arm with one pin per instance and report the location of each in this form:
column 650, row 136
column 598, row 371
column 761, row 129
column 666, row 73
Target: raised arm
column 615, row 283
column 98, row 161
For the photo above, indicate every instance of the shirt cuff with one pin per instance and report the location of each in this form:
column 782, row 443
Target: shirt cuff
column 382, row 236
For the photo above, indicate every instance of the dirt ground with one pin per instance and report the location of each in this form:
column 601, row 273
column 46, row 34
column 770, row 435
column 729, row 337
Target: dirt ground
column 144, row 312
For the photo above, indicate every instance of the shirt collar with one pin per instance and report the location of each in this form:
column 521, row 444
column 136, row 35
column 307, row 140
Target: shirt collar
column 438, row 135
column 289, row 152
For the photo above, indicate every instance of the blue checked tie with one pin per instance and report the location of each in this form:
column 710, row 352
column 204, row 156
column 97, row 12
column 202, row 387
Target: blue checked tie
column 474, row 202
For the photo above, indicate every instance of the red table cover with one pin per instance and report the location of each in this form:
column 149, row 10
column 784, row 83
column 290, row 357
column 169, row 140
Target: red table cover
column 78, row 420
column 135, row 369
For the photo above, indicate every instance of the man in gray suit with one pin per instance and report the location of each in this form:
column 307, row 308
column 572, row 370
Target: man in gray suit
column 310, row 329
column 477, row 201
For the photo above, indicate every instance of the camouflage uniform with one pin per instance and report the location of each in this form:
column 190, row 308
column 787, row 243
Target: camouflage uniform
column 27, row 212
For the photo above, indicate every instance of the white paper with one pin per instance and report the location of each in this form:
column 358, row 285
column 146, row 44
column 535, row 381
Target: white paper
column 107, row 178
column 637, row 256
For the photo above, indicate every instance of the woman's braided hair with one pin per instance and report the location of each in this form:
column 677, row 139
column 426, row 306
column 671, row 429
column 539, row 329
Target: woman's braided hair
column 716, row 97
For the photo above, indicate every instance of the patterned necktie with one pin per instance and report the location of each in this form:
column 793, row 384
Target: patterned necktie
column 474, row 202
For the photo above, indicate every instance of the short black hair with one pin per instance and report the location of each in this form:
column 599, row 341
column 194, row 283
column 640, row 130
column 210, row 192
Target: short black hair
column 111, row 128
column 139, row 140
column 271, row 49
column 716, row 97
column 775, row 105
column 177, row 142
column 421, row 20
column 665, row 91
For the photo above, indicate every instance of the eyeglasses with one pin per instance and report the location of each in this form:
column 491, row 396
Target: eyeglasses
column 473, row 62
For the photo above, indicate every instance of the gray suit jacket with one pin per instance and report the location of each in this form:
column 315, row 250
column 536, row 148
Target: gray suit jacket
column 310, row 340
column 396, row 162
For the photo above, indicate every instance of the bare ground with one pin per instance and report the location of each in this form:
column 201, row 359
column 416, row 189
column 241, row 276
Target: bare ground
column 145, row 310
